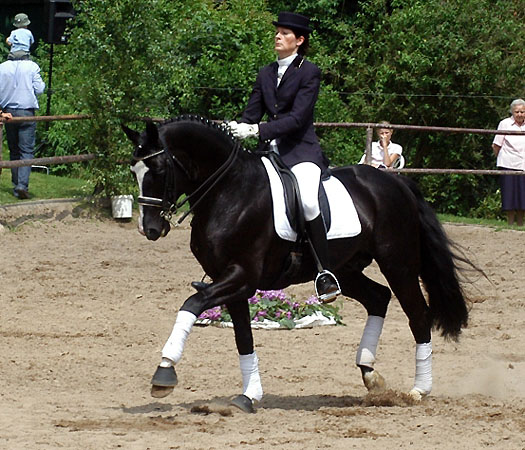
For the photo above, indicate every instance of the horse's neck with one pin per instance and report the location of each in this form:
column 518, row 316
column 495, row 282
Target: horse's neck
column 199, row 147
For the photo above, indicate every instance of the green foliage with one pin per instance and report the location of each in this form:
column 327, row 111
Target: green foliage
column 424, row 62
column 436, row 63
column 489, row 207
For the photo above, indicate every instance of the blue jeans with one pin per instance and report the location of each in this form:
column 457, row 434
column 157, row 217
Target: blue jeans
column 21, row 143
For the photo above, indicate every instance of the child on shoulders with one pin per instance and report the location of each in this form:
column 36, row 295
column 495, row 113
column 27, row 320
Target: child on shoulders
column 21, row 39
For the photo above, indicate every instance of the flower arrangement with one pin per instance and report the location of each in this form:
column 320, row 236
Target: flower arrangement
column 277, row 306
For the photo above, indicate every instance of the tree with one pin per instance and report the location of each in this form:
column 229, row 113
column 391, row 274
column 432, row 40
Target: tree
column 433, row 62
column 438, row 63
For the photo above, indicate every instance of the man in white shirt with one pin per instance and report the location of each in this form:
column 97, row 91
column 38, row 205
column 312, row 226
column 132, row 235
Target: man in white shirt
column 20, row 83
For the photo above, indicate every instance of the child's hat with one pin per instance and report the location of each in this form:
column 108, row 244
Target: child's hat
column 21, row 20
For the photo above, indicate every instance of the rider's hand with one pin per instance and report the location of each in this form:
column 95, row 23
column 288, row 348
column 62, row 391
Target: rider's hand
column 243, row 130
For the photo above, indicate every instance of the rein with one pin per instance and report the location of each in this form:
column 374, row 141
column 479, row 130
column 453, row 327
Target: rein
column 168, row 207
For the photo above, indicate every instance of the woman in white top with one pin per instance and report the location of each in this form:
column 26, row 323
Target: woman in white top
column 510, row 151
column 384, row 152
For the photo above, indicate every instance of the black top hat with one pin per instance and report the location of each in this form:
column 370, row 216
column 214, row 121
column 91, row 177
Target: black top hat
column 293, row 21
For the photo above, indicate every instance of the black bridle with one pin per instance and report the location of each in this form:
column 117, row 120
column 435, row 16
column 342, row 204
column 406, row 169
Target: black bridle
column 169, row 208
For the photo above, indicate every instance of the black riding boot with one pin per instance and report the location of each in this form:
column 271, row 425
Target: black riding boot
column 326, row 284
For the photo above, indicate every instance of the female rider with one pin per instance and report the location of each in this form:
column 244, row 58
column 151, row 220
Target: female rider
column 286, row 91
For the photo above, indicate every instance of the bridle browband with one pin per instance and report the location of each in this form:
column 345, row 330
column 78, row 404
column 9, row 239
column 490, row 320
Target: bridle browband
column 166, row 203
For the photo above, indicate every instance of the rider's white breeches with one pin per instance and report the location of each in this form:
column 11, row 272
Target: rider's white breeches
column 308, row 177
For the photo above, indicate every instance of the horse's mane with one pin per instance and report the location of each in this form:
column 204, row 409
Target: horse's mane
column 219, row 127
column 220, row 132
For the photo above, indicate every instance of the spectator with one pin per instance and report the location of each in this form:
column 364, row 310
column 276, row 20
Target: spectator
column 21, row 39
column 20, row 83
column 384, row 152
column 510, row 152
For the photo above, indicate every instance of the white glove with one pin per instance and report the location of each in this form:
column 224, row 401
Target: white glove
column 243, row 130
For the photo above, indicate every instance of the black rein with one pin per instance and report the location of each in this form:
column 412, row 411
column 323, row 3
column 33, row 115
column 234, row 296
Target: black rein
column 168, row 207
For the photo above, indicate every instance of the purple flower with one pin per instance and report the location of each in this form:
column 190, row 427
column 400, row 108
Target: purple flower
column 253, row 300
column 273, row 295
column 288, row 315
column 212, row 314
column 313, row 300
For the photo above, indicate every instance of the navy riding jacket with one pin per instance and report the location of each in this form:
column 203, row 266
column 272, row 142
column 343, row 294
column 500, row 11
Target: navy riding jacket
column 289, row 109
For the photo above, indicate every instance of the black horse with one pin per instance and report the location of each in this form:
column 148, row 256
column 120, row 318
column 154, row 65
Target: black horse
column 234, row 240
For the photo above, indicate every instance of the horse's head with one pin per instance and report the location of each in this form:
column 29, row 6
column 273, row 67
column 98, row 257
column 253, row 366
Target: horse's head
column 151, row 166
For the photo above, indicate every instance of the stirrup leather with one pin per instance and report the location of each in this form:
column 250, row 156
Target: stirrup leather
column 327, row 296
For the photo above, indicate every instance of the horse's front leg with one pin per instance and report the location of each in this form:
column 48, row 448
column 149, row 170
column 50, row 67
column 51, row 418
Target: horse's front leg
column 249, row 362
column 227, row 289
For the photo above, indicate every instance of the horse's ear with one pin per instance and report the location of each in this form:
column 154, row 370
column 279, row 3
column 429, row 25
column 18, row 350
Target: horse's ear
column 152, row 132
column 131, row 134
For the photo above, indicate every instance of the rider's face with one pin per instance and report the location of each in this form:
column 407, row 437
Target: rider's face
column 286, row 43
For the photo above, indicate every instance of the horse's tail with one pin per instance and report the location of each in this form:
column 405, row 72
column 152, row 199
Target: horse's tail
column 440, row 259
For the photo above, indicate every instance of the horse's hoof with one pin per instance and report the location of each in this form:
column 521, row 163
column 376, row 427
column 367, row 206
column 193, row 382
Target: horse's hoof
column 161, row 391
column 164, row 377
column 243, row 403
column 374, row 381
column 199, row 285
column 417, row 395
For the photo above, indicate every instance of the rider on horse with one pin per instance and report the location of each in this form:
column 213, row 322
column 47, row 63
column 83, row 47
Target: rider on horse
column 286, row 91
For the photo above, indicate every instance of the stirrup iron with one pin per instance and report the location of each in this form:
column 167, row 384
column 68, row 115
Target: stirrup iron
column 327, row 297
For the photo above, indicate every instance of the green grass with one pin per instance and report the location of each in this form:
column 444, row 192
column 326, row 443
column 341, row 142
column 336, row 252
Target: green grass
column 495, row 223
column 42, row 186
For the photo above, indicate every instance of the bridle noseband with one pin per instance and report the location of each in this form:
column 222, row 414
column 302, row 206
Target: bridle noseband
column 169, row 208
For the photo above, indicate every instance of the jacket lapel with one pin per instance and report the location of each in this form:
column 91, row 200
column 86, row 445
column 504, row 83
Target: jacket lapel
column 292, row 69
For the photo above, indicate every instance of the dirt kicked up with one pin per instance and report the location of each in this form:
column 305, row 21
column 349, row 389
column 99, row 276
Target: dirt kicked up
column 86, row 306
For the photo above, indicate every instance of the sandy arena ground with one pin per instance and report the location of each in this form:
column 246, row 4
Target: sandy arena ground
column 86, row 305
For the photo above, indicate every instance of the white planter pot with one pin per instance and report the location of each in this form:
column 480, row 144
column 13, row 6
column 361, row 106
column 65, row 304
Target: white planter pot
column 122, row 206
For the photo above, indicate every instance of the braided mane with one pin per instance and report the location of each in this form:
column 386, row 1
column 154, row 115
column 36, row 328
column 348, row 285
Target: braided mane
column 220, row 126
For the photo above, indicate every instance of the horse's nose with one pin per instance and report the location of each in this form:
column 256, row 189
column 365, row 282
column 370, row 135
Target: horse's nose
column 152, row 234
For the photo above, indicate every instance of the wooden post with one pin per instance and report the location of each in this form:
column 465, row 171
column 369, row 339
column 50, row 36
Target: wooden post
column 1, row 142
column 368, row 150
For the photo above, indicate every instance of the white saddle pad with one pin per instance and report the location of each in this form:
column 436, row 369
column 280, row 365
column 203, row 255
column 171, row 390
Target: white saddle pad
column 345, row 222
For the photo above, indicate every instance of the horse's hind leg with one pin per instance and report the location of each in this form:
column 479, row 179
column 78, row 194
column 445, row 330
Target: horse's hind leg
column 375, row 298
column 248, row 361
column 408, row 291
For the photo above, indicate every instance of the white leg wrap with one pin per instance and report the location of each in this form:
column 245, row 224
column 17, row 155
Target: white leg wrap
column 366, row 353
column 423, row 379
column 251, row 381
column 173, row 348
